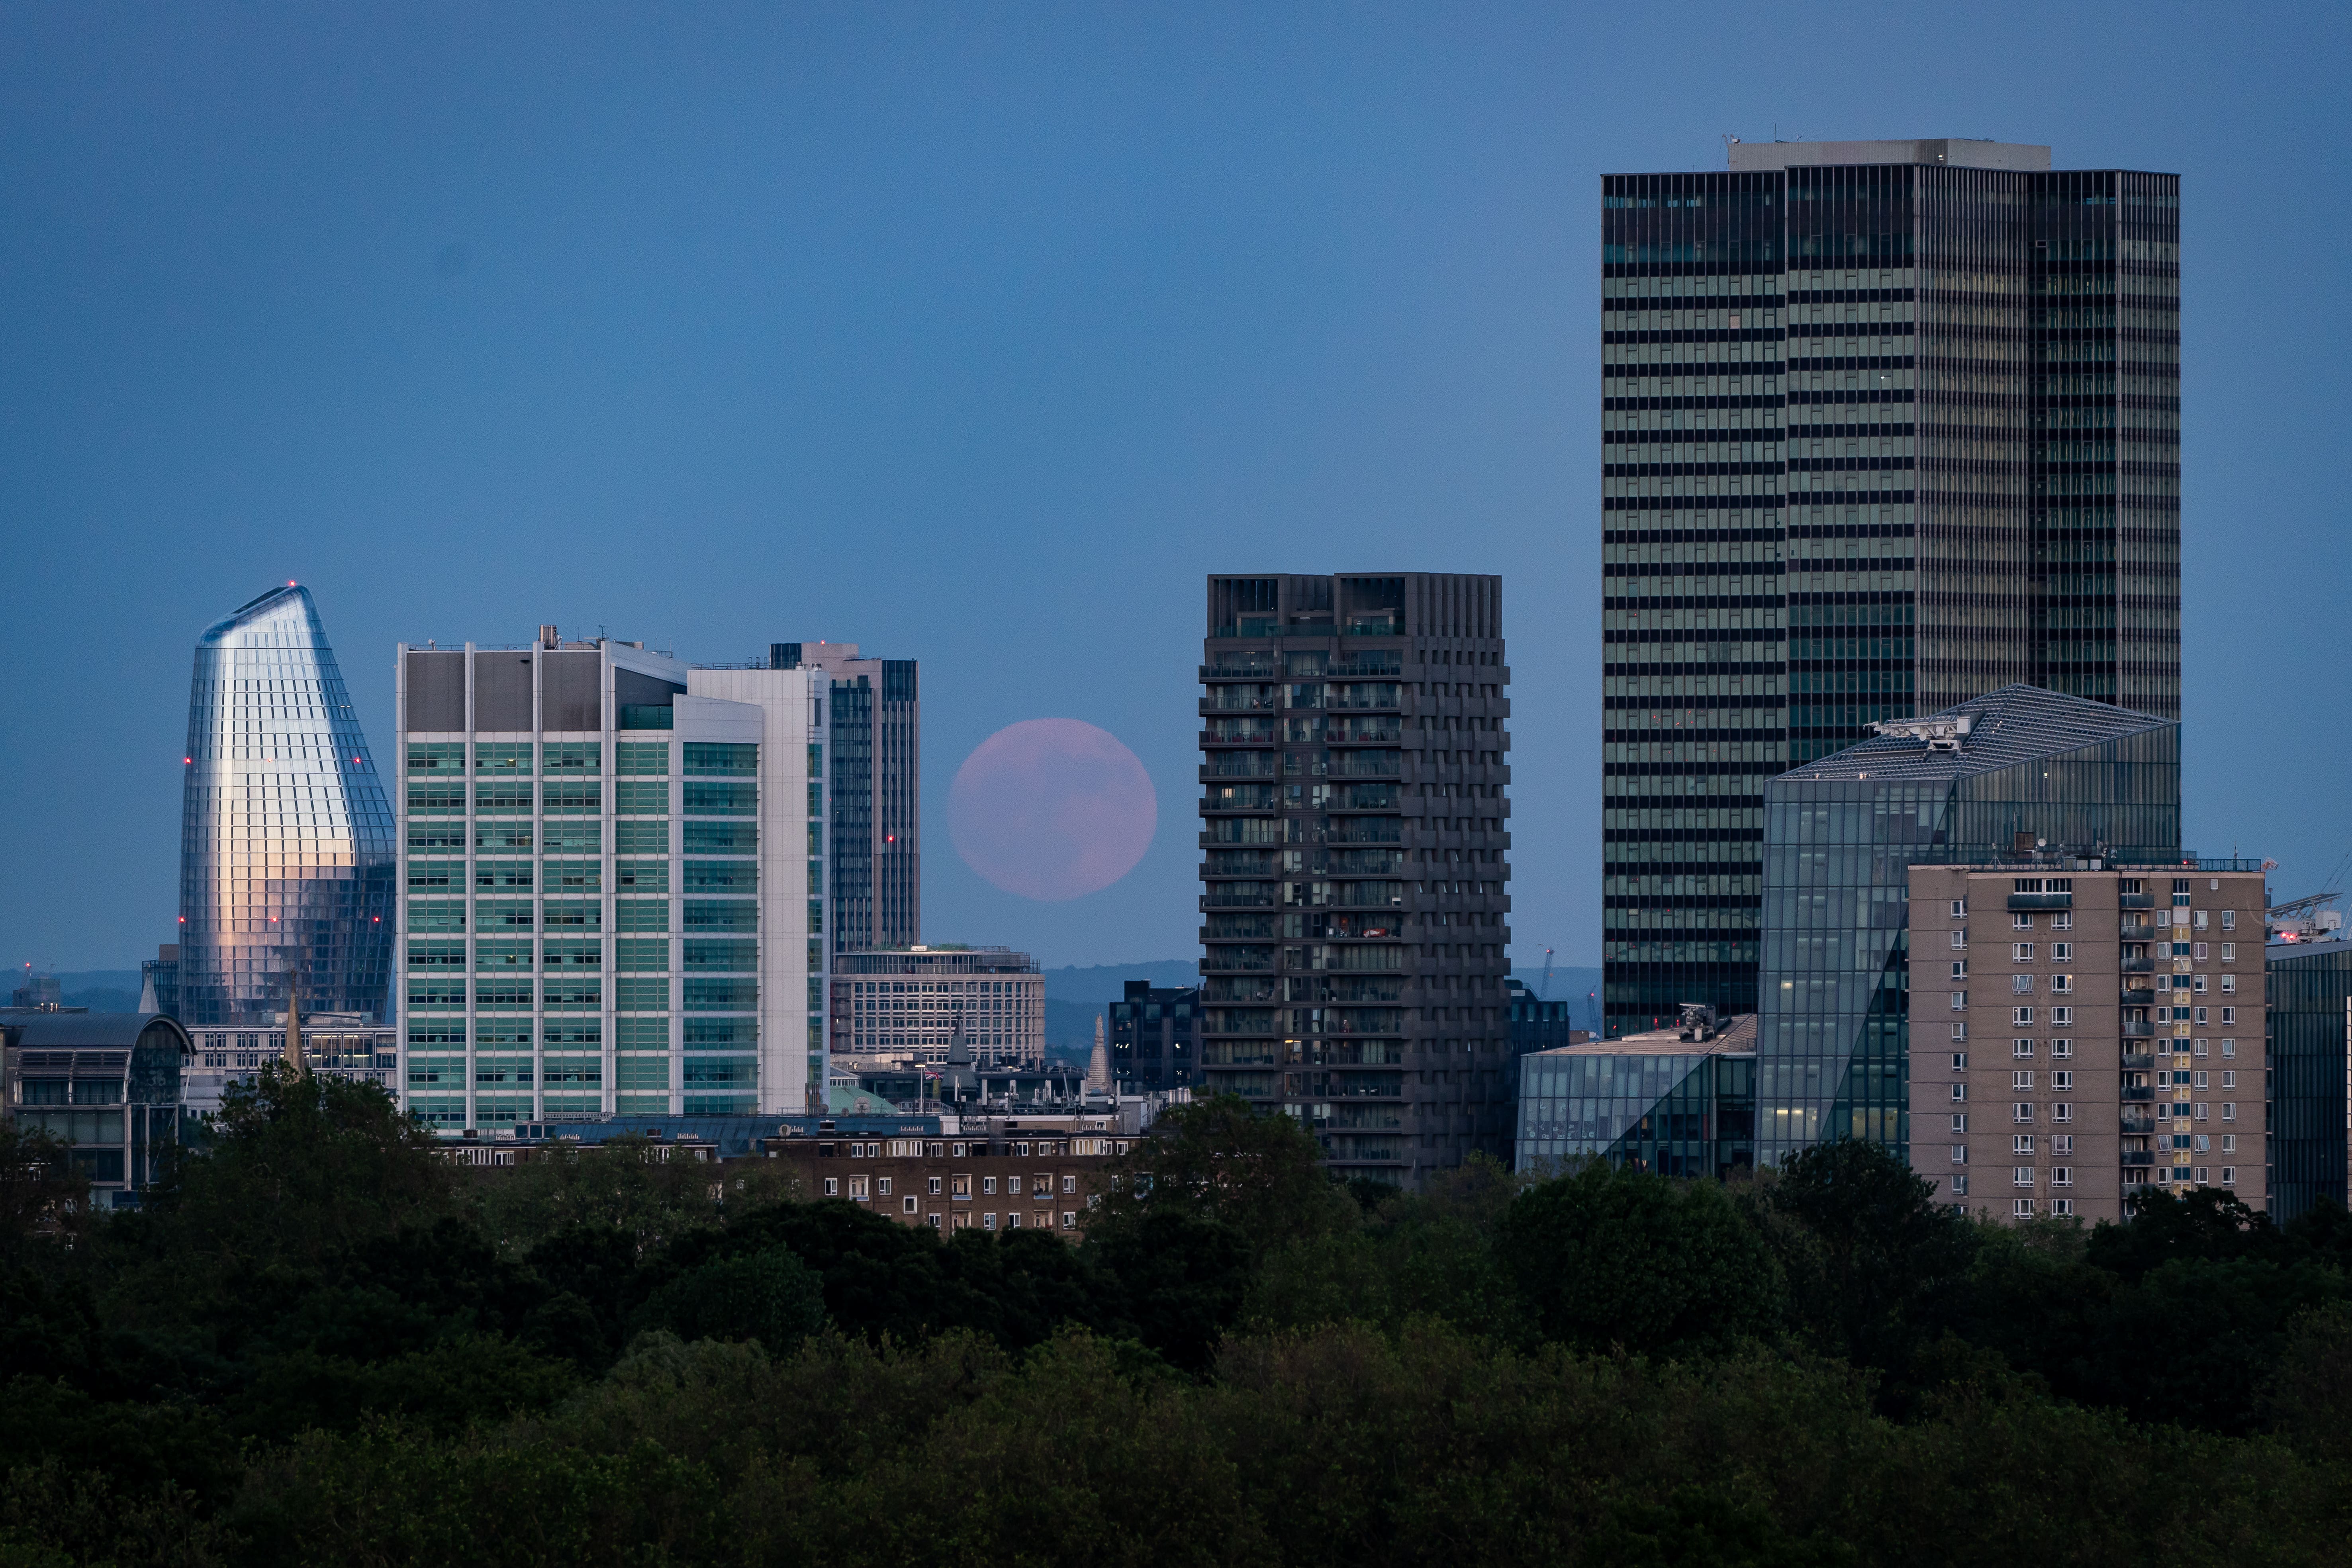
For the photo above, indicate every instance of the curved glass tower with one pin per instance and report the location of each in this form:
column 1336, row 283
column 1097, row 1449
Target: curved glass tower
column 287, row 854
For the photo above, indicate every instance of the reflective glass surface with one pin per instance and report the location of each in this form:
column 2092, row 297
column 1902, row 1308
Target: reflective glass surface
column 287, row 854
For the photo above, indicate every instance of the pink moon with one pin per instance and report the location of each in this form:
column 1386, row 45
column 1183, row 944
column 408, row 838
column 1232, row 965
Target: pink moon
column 1051, row 809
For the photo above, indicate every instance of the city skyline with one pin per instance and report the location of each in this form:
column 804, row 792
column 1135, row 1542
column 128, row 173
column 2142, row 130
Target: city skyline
column 1038, row 357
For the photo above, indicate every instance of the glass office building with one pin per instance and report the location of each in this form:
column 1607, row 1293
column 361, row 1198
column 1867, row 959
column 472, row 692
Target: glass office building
column 2009, row 773
column 2310, row 988
column 1885, row 426
column 611, row 869
column 874, row 840
column 1661, row 1101
column 285, row 840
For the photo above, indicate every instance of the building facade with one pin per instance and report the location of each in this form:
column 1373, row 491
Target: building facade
column 1153, row 1038
column 2018, row 774
column 1024, row 1173
column 2309, row 998
column 607, row 864
column 906, row 1006
column 1356, row 862
column 873, row 838
column 1885, row 426
column 1673, row 1101
column 345, row 1046
column 2082, row 1028
column 107, row 1084
column 287, row 856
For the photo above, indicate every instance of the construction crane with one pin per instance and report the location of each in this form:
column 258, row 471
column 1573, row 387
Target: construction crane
column 2309, row 919
column 1543, row 987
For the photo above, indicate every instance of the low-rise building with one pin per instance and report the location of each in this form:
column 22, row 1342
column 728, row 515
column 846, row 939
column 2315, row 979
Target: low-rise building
column 348, row 1045
column 1678, row 1102
column 996, row 1174
column 107, row 1084
column 2080, row 1029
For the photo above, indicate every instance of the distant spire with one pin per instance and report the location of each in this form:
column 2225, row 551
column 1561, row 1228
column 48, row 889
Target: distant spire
column 294, row 1062
column 147, row 999
column 1098, row 1065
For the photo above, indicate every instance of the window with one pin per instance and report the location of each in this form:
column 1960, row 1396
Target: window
column 2021, row 922
column 2198, row 951
column 2061, row 1112
column 1960, row 938
column 2229, row 984
column 2061, row 1017
column 2197, row 1080
column 2229, row 919
column 1959, row 968
column 2062, row 1143
column 2061, row 923
column 1959, row 908
column 935, row 1186
column 833, row 1186
column 2180, row 892
column 2060, row 1050
column 1012, row 1186
column 2228, row 1176
column 2021, row 1050
column 1069, row 1219
column 882, row 1186
column 2023, row 1080
column 2062, row 1081
column 1959, row 1092
column 856, row 1188
column 2062, row 1175
column 2061, row 983
column 2020, row 1015
column 1959, row 1122
column 2022, row 1110
column 1959, row 1001
column 2229, row 1111
column 2229, row 953
column 2021, row 951
column 1069, row 1183
column 988, row 1188
column 1960, row 1061
column 2228, row 1047
column 2021, row 1176
column 2022, row 1143
column 962, row 1184
column 2228, row 1143
column 934, row 1221
column 2198, row 920
column 1959, row 1186
column 988, row 1221
column 2201, row 1109
column 909, row 1204
column 1959, row 1031
column 2229, row 1014
column 2229, row 1080
column 2061, row 953
column 1959, row 1153
column 2023, row 1209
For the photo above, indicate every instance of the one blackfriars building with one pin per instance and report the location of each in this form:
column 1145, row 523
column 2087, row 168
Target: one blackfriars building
column 286, row 849
column 1887, row 426
column 1355, row 864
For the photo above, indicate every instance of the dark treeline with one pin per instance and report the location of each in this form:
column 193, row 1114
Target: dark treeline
column 319, row 1343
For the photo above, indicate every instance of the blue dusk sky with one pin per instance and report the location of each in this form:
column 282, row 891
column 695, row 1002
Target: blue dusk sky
column 977, row 335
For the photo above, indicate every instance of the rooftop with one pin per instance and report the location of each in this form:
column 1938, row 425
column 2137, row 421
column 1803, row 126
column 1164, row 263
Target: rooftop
column 2015, row 724
column 1953, row 152
column 1738, row 1034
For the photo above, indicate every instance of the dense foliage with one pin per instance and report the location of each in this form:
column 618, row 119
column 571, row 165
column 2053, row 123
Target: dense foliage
column 319, row 1343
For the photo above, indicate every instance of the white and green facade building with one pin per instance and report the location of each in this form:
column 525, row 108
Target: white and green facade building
column 611, row 885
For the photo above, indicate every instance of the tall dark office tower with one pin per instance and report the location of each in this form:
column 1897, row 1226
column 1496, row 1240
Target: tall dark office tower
column 1885, row 426
column 1356, row 857
column 874, row 861
column 286, row 854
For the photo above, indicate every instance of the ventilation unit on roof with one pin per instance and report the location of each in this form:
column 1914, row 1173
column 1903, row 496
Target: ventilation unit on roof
column 1941, row 732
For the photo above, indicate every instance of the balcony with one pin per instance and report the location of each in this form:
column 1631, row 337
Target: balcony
column 2041, row 901
column 2138, row 1031
column 2140, row 1092
column 2138, row 1159
column 2139, row 966
column 2137, row 931
column 2138, row 1062
column 1268, row 669
column 1218, row 899
column 1242, row 766
column 2138, row 997
column 2136, row 1127
column 1242, row 700
column 2136, row 900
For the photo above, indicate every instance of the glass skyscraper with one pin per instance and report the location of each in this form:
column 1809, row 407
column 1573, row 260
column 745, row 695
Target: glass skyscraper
column 2310, row 994
column 2033, row 772
column 1885, row 426
column 874, row 850
column 287, row 850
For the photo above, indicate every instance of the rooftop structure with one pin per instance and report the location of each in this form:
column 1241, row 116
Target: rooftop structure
column 105, row 1084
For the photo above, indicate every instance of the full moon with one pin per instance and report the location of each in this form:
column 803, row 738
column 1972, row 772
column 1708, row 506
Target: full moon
column 1051, row 809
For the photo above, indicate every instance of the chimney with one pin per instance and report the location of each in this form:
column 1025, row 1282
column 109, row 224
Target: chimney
column 547, row 637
